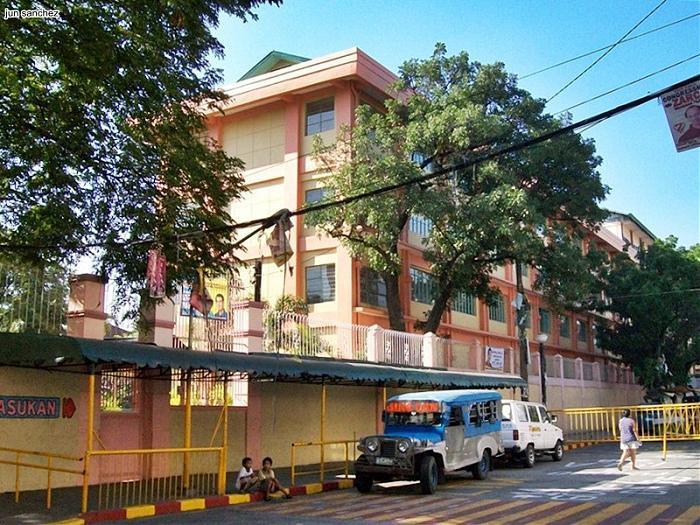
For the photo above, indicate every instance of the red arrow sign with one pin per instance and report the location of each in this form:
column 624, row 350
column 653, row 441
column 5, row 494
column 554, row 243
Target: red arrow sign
column 68, row 407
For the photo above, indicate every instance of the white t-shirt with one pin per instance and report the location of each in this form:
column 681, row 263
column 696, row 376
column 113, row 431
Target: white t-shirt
column 243, row 473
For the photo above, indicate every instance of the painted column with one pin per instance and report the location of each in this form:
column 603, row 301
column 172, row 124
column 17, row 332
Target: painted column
column 159, row 322
column 86, row 306
column 429, row 344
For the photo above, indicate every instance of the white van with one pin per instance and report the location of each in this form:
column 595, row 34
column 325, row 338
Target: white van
column 528, row 430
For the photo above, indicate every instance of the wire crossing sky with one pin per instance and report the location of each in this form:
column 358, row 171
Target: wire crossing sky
column 646, row 175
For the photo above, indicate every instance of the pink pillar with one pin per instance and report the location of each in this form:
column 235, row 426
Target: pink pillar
column 159, row 323
column 86, row 306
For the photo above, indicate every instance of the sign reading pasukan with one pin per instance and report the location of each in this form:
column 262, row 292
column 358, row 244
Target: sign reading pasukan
column 29, row 407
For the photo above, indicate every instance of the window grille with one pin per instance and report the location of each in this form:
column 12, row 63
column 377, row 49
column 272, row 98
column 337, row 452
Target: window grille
column 497, row 310
column 420, row 225
column 372, row 288
column 422, row 286
column 207, row 389
column 464, row 303
column 118, row 390
column 564, row 326
column 545, row 321
column 320, row 283
column 320, row 116
column 581, row 331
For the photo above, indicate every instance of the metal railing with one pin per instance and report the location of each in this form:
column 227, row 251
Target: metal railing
column 672, row 422
column 323, row 459
column 33, row 299
column 50, row 467
column 145, row 476
column 210, row 333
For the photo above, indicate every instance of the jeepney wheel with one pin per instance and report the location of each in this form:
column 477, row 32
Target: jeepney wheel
column 363, row 483
column 481, row 469
column 428, row 475
column 529, row 456
column 558, row 453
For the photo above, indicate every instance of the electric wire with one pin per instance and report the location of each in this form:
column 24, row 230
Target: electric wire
column 640, row 79
column 584, row 55
column 270, row 220
column 601, row 57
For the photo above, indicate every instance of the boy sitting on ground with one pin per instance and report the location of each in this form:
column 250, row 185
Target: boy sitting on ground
column 269, row 482
column 247, row 480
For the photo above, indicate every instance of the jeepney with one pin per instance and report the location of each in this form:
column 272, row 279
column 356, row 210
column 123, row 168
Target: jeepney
column 430, row 434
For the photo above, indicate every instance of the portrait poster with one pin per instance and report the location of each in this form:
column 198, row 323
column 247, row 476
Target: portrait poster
column 495, row 358
column 682, row 107
column 217, row 290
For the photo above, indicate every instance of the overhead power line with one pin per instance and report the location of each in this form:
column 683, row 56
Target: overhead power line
column 601, row 57
column 649, row 294
column 589, row 53
column 268, row 221
column 629, row 84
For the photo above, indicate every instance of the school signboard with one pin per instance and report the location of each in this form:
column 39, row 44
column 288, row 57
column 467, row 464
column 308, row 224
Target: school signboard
column 32, row 407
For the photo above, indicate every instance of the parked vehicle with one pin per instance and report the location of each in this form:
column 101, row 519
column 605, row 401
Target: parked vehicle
column 528, row 431
column 429, row 434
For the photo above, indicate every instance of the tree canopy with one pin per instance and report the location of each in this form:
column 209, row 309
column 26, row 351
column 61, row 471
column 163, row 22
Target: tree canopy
column 103, row 138
column 656, row 304
column 531, row 206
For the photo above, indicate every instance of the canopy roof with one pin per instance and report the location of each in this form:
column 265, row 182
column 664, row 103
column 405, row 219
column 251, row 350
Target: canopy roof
column 81, row 355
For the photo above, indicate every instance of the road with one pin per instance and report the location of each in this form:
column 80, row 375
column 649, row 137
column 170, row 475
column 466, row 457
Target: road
column 583, row 489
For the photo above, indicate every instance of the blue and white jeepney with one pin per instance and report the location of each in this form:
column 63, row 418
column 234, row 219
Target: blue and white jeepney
column 429, row 434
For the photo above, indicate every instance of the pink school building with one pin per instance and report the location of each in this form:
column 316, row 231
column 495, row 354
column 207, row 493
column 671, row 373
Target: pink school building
column 274, row 113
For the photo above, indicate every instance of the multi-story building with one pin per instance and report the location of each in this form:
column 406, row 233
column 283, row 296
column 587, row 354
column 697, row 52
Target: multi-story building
column 273, row 115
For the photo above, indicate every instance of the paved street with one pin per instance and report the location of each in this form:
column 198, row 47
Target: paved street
column 585, row 488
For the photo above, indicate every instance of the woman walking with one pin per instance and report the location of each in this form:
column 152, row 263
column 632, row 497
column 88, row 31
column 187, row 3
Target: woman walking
column 629, row 442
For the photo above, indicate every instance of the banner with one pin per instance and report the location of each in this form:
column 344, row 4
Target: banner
column 217, row 292
column 682, row 108
column 155, row 274
column 495, row 358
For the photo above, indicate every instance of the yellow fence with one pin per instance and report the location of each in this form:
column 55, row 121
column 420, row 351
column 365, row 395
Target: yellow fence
column 672, row 422
column 139, row 476
column 321, row 445
column 20, row 461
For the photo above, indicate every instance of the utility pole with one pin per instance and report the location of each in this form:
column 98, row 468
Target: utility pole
column 522, row 307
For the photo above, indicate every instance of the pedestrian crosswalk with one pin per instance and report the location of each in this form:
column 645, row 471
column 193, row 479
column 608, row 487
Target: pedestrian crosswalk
column 472, row 508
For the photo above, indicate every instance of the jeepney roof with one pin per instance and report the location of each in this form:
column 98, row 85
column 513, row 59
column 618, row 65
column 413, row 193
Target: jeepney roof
column 448, row 396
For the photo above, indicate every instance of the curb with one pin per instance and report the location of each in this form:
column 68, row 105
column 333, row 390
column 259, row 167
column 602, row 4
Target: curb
column 581, row 444
column 185, row 505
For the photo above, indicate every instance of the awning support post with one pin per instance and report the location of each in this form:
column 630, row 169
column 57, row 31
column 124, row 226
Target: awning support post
column 89, row 441
column 221, row 489
column 187, row 430
column 323, row 425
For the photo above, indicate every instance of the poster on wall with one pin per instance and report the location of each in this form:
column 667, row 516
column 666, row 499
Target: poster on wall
column 217, row 289
column 495, row 357
column 682, row 107
column 34, row 407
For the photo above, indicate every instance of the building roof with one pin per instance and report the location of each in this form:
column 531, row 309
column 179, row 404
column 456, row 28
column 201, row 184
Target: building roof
column 272, row 61
column 80, row 355
column 616, row 215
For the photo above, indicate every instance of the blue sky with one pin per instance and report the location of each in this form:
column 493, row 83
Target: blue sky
column 646, row 175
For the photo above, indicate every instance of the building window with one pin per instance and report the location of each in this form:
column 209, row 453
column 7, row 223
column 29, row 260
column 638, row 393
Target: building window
column 497, row 310
column 545, row 321
column 581, row 332
column 422, row 286
column 564, row 326
column 315, row 195
column 420, row 225
column 372, row 288
column 464, row 303
column 320, row 116
column 320, row 283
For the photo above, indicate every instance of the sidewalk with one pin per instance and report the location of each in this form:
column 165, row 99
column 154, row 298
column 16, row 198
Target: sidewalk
column 66, row 501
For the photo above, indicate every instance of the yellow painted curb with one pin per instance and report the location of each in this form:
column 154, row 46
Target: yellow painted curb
column 192, row 504
column 345, row 484
column 140, row 511
column 72, row 521
column 314, row 488
column 237, row 499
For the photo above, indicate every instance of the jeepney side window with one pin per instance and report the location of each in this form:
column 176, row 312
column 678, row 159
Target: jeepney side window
column 456, row 418
column 490, row 412
column 474, row 415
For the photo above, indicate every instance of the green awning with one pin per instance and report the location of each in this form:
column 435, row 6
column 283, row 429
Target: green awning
column 76, row 354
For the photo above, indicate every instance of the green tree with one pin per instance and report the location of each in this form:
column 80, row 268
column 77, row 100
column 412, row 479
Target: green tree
column 103, row 137
column 656, row 307
column 526, row 206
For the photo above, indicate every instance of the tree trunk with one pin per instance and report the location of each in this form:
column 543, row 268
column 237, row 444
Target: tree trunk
column 432, row 324
column 522, row 334
column 393, row 302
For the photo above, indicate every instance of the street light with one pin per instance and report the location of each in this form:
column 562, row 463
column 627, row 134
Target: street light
column 542, row 339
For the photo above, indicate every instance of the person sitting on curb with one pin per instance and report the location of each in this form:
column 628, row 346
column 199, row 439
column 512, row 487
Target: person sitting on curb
column 247, row 480
column 269, row 483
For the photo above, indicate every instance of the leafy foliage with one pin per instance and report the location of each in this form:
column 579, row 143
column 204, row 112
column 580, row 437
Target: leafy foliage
column 103, row 137
column 524, row 206
column 658, row 328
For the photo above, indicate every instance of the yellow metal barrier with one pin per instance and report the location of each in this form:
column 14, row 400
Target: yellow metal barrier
column 143, row 476
column 49, row 467
column 347, row 444
column 670, row 422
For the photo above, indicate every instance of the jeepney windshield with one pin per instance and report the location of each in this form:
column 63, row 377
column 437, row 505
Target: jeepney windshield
column 410, row 412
